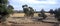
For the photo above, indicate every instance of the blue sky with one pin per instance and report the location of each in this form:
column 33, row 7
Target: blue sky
column 36, row 4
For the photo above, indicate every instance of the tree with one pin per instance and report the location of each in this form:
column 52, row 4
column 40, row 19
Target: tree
column 42, row 11
column 56, row 12
column 10, row 9
column 26, row 9
column 3, row 1
column 4, row 12
column 51, row 11
column 57, row 15
column 31, row 11
column 43, row 14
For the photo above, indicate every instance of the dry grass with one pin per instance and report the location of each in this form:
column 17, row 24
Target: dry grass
column 22, row 14
column 10, row 20
column 17, row 15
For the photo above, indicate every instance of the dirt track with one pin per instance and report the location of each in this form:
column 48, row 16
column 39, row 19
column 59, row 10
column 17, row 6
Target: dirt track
column 19, row 20
column 27, row 24
column 41, row 24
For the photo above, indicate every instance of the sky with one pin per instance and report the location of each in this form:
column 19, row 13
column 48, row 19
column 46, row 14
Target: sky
column 35, row 4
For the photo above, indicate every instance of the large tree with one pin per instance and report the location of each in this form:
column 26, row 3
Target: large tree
column 31, row 13
column 10, row 9
column 42, row 11
column 51, row 11
column 3, row 6
column 3, row 1
column 26, row 10
column 4, row 12
column 43, row 14
column 57, row 13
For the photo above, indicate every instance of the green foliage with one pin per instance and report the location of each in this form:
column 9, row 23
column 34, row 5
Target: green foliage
column 51, row 11
column 25, row 9
column 7, row 10
column 4, row 10
column 55, row 11
column 42, row 14
column 3, row 5
column 42, row 11
column 10, row 9
column 57, row 14
column 28, row 10
column 3, row 1
column 31, row 12
column 59, row 11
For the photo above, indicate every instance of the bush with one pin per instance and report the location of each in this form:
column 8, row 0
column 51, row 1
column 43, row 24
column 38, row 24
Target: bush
column 51, row 11
column 57, row 14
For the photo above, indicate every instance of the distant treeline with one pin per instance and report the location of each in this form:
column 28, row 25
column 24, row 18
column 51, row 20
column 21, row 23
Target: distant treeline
column 23, row 12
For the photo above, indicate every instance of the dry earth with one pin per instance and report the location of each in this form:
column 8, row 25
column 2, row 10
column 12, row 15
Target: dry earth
column 25, row 22
column 12, row 21
column 22, row 14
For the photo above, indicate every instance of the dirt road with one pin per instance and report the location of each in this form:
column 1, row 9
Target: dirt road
column 41, row 24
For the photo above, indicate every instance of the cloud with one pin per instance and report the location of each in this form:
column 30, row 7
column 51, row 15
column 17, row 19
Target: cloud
column 36, row 4
column 35, row 1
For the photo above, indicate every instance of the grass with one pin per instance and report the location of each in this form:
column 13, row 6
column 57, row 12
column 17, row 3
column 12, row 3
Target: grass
column 22, row 14
column 19, row 20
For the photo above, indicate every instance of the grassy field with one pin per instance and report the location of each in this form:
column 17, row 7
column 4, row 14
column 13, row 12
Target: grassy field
column 22, row 14
column 15, row 21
